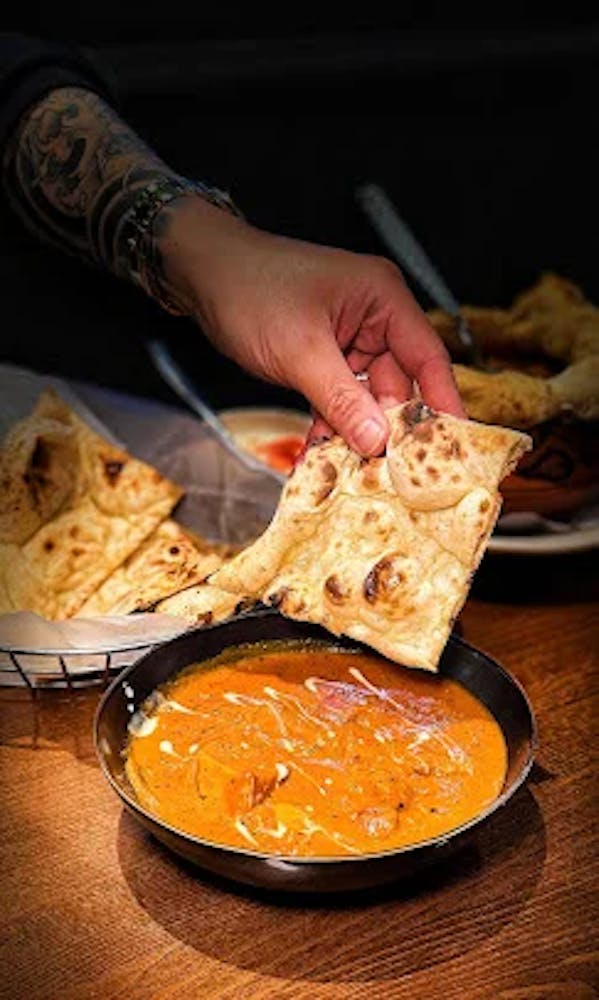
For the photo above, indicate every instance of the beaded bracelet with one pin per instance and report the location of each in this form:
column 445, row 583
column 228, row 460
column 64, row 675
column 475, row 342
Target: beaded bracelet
column 136, row 231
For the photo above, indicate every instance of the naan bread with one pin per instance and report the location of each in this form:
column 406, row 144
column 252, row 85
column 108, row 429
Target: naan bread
column 36, row 476
column 64, row 537
column 552, row 320
column 204, row 604
column 165, row 563
column 382, row 550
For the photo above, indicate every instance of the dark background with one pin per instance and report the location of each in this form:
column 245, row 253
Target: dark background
column 484, row 135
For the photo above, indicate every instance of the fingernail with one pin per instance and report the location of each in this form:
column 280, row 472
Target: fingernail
column 369, row 436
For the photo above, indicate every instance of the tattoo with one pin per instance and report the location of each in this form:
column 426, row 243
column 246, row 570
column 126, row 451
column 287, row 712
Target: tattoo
column 74, row 170
column 82, row 180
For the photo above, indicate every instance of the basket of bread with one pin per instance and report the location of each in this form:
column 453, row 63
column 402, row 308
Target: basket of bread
column 94, row 538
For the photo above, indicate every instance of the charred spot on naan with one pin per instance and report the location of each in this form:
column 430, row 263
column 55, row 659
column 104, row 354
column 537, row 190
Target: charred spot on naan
column 336, row 590
column 37, row 475
column 287, row 601
column 415, row 413
column 113, row 468
column 37, row 459
column 328, row 480
column 385, row 577
column 246, row 604
column 371, row 475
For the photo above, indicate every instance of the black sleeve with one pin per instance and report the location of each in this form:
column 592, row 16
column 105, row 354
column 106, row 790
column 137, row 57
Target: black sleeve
column 31, row 67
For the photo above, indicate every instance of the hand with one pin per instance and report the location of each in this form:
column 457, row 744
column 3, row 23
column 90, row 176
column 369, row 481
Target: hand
column 308, row 317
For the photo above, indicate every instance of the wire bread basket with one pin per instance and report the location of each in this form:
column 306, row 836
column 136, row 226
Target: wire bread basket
column 64, row 668
column 225, row 501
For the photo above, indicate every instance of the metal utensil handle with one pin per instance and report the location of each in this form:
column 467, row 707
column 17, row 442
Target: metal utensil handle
column 404, row 246
column 178, row 381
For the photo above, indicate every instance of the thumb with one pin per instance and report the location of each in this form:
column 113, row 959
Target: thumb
column 333, row 390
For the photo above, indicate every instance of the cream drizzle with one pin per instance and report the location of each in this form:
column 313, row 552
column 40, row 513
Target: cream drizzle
column 451, row 748
column 311, row 683
column 279, row 696
column 420, row 737
column 282, row 773
column 314, row 683
column 311, row 828
column 279, row 831
column 234, row 698
column 379, row 692
column 243, row 830
column 308, row 777
column 166, row 747
column 335, row 765
column 174, row 706
column 142, row 725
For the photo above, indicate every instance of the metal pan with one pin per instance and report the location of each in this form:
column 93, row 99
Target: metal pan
column 477, row 672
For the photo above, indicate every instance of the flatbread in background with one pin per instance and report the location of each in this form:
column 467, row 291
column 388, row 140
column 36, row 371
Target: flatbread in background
column 382, row 550
column 165, row 563
column 88, row 523
column 37, row 462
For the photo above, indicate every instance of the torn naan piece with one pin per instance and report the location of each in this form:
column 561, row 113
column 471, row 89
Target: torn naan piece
column 204, row 604
column 381, row 550
column 100, row 512
column 165, row 563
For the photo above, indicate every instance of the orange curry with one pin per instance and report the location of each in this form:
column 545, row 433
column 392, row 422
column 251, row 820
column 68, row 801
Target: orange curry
column 310, row 751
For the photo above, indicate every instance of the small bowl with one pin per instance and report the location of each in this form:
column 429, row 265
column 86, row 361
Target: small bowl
column 478, row 673
column 257, row 430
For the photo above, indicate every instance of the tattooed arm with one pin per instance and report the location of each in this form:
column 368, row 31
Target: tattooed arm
column 294, row 313
column 81, row 179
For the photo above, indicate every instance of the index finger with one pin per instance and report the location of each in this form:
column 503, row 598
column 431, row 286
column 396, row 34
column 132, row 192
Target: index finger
column 419, row 351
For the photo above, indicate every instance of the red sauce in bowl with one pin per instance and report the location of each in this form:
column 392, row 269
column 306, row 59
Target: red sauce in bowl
column 281, row 454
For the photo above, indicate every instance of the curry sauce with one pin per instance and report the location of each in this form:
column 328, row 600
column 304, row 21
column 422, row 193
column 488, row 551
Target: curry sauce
column 313, row 751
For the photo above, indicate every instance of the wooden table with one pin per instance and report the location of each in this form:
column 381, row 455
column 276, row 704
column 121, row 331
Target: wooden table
column 91, row 907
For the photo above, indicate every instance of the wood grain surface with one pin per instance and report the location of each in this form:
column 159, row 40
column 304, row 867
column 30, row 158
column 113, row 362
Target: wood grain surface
column 91, row 907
